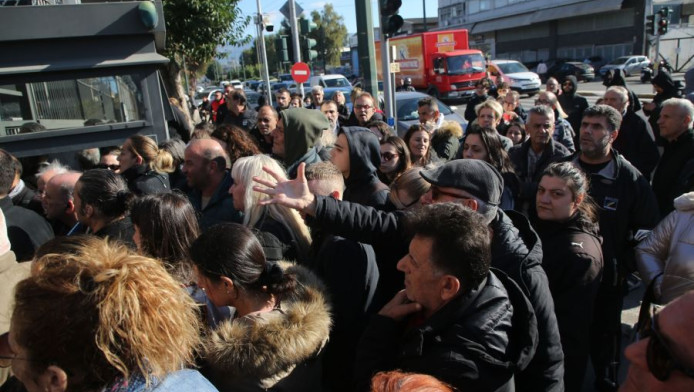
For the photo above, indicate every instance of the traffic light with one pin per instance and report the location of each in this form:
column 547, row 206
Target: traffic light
column 306, row 26
column 391, row 22
column 650, row 24
column 309, row 54
column 664, row 20
column 281, row 47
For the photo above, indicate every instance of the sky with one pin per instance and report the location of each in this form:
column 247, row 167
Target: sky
column 409, row 9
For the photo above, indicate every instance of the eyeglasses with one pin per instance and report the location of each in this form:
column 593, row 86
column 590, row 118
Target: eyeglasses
column 6, row 360
column 566, row 84
column 105, row 166
column 365, row 107
column 387, row 156
column 659, row 356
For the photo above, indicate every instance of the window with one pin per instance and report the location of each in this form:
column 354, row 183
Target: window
column 71, row 103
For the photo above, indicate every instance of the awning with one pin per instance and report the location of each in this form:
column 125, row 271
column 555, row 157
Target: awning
column 546, row 14
column 86, row 62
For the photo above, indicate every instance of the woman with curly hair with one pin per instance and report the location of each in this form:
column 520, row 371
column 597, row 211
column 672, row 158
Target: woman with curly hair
column 236, row 142
column 282, row 231
column 117, row 322
column 282, row 318
column 484, row 144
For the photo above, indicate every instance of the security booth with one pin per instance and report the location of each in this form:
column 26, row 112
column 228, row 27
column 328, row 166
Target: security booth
column 87, row 73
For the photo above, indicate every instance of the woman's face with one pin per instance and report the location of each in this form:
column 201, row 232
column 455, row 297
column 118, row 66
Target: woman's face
column 215, row 291
column 419, row 144
column 407, row 201
column 552, row 85
column 554, row 200
column 21, row 367
column 237, row 192
column 295, row 103
column 127, row 158
column 339, row 97
column 389, row 158
column 474, row 148
column 515, row 134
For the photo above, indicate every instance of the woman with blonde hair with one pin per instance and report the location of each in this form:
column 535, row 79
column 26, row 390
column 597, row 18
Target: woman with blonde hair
column 117, row 322
column 281, row 230
column 144, row 166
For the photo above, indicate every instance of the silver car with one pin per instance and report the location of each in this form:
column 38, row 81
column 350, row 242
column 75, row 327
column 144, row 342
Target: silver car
column 630, row 65
column 406, row 106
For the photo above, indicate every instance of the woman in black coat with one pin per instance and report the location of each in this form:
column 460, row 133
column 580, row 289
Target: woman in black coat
column 144, row 166
column 567, row 223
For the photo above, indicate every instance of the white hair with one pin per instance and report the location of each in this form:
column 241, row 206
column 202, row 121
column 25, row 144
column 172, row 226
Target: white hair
column 686, row 108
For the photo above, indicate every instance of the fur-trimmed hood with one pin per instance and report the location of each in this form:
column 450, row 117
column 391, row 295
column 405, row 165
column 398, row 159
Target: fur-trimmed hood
column 263, row 349
column 449, row 129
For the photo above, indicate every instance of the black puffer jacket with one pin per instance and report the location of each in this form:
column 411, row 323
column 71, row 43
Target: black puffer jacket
column 475, row 342
column 363, row 186
column 144, row 181
column 673, row 176
column 572, row 258
column 636, row 142
column 516, row 250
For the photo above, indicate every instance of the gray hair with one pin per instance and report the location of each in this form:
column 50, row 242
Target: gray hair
column 621, row 91
column 317, row 89
column 487, row 211
column 55, row 166
column 613, row 117
column 685, row 107
column 542, row 110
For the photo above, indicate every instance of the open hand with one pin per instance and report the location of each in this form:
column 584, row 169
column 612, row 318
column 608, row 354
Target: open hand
column 289, row 193
column 399, row 307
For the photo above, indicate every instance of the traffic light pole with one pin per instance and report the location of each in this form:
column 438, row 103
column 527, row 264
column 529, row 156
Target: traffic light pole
column 387, row 80
column 367, row 50
column 295, row 40
column 261, row 47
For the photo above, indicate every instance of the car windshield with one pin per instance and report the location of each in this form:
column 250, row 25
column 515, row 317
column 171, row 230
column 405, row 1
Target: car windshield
column 338, row 82
column 407, row 108
column 619, row 61
column 465, row 64
column 509, row 68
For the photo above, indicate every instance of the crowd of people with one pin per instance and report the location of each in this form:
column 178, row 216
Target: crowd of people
column 309, row 248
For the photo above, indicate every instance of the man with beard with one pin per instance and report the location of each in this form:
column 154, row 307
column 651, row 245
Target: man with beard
column 571, row 102
column 627, row 205
column 329, row 108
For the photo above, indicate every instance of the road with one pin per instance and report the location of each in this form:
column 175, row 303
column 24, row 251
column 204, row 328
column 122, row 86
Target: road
column 593, row 91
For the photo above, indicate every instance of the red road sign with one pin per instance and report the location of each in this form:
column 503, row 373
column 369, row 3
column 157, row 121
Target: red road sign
column 300, row 72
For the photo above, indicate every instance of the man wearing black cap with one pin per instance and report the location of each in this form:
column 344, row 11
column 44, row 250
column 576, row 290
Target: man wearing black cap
column 516, row 249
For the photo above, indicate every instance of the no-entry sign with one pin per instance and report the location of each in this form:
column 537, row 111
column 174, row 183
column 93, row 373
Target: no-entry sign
column 300, row 72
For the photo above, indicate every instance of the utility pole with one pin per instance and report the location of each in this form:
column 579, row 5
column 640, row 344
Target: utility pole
column 261, row 48
column 367, row 51
column 295, row 39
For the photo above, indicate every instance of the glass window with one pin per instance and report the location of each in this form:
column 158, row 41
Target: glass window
column 466, row 64
column 71, row 103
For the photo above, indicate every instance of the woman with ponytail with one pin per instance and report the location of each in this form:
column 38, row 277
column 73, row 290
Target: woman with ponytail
column 116, row 321
column 144, row 166
column 281, row 320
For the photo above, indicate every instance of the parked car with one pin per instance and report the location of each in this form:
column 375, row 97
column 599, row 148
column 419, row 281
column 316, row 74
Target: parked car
column 516, row 75
column 406, row 107
column 630, row 65
column 582, row 71
column 330, row 81
column 209, row 92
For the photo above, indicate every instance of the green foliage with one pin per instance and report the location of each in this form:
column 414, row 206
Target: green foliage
column 330, row 34
column 250, row 56
column 214, row 70
column 195, row 28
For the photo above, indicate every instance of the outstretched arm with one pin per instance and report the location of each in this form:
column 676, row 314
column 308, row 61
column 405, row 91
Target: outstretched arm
column 289, row 193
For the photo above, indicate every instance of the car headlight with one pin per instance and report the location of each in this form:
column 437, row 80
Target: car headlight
column 454, row 87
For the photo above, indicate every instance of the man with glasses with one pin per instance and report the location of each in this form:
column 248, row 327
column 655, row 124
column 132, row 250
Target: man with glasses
column 563, row 132
column 515, row 247
column 364, row 111
column 571, row 102
column 237, row 111
column 663, row 360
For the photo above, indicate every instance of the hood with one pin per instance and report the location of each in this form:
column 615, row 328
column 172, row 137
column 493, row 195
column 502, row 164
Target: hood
column 614, row 77
column 574, row 84
column 270, row 345
column 364, row 154
column 449, row 129
column 685, row 202
column 689, row 81
column 664, row 81
column 302, row 129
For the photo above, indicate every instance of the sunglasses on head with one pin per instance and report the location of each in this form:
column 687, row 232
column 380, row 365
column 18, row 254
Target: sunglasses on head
column 660, row 358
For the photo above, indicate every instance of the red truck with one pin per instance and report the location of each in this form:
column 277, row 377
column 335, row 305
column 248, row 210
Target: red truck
column 440, row 63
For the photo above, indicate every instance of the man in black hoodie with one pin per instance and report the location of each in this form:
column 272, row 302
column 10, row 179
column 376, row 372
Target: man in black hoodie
column 665, row 89
column 357, row 154
column 572, row 103
column 296, row 138
column 516, row 248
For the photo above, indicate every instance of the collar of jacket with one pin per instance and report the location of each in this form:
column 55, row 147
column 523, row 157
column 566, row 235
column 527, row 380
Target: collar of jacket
column 134, row 172
column 609, row 172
